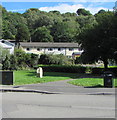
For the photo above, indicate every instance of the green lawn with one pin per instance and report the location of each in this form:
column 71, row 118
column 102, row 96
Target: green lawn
column 96, row 82
column 29, row 77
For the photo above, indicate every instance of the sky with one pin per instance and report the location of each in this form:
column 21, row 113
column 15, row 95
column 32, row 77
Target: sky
column 61, row 5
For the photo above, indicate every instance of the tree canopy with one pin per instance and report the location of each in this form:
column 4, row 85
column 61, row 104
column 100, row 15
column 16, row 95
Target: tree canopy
column 99, row 41
column 97, row 33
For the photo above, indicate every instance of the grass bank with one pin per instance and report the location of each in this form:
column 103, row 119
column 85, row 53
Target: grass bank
column 29, row 77
column 90, row 82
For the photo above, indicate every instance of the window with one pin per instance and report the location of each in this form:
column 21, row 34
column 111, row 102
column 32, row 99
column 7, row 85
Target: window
column 50, row 49
column 39, row 49
column 27, row 49
column 2, row 41
column 59, row 49
column 71, row 49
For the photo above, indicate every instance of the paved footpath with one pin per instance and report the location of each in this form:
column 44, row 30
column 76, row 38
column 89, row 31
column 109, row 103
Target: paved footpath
column 60, row 87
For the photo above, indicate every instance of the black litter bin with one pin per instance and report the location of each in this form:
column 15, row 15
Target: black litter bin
column 108, row 79
column 6, row 77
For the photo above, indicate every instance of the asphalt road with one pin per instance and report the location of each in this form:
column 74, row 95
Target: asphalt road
column 66, row 88
column 36, row 105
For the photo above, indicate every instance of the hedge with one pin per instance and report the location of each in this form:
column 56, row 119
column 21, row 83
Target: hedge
column 64, row 68
column 100, row 71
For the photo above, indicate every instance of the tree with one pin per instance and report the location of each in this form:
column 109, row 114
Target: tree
column 101, row 11
column 98, row 42
column 13, row 62
column 42, row 34
column 85, row 20
column 23, row 34
column 82, row 11
column 3, row 54
column 43, row 20
column 54, row 59
column 6, row 63
column 64, row 31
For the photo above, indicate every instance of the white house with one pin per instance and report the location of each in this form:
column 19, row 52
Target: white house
column 67, row 49
column 5, row 44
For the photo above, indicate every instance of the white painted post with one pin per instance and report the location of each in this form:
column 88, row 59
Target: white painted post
column 40, row 72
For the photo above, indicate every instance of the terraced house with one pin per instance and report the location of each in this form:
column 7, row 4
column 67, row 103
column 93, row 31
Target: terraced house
column 71, row 50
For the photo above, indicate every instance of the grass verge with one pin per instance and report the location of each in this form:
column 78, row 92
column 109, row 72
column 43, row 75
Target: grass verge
column 90, row 82
column 29, row 77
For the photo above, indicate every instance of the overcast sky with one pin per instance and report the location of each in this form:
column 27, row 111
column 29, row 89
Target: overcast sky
column 60, row 5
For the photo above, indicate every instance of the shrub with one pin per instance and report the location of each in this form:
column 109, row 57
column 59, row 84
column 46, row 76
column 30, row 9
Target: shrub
column 100, row 71
column 63, row 68
column 6, row 63
column 48, row 59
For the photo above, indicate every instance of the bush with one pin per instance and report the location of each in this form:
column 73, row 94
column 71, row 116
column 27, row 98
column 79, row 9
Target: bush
column 63, row 68
column 25, row 60
column 20, row 60
column 48, row 59
column 6, row 63
column 100, row 71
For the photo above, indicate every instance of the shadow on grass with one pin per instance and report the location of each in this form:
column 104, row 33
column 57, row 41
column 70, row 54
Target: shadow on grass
column 57, row 74
column 96, row 86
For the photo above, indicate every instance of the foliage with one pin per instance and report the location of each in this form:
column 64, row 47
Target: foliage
column 6, row 63
column 13, row 63
column 96, row 33
column 54, row 59
column 100, row 71
column 42, row 34
column 18, row 60
column 64, row 68
column 3, row 54
column 22, row 33
column 96, row 40
column 51, row 26
column 85, row 21
column 25, row 60
column 82, row 11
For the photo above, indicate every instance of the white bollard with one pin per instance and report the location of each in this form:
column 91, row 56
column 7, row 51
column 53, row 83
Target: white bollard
column 40, row 72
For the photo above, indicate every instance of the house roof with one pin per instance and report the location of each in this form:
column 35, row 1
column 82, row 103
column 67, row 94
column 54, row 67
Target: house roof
column 5, row 43
column 49, row 44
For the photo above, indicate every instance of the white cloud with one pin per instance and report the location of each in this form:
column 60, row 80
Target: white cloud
column 63, row 8
column 17, row 10
column 94, row 10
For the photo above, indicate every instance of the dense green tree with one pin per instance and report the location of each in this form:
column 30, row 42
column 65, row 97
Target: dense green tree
column 43, row 20
column 42, row 34
column 54, row 59
column 3, row 54
column 32, row 15
column 13, row 62
column 6, row 63
column 55, row 12
column 101, row 11
column 23, row 34
column 85, row 21
column 98, row 42
column 82, row 11
column 64, row 31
